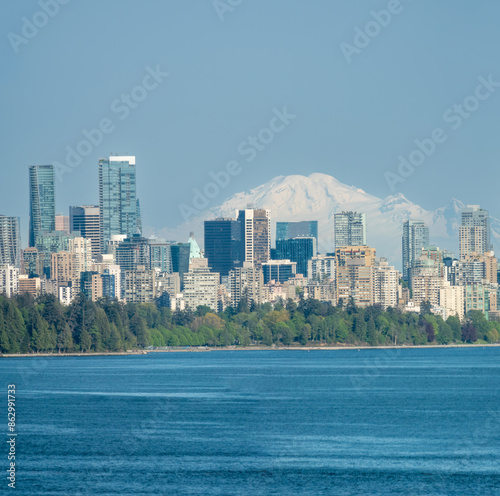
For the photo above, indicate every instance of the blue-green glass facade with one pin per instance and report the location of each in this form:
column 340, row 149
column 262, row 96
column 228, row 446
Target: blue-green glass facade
column 117, row 197
column 289, row 230
column 42, row 201
column 299, row 250
column 10, row 241
column 51, row 242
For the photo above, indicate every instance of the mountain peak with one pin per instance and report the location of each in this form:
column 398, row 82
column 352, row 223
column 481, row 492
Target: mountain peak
column 319, row 196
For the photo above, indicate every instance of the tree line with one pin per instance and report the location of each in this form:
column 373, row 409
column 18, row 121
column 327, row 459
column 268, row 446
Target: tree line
column 45, row 325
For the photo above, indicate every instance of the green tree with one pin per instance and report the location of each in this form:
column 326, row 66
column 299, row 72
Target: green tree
column 85, row 340
column 454, row 323
column 445, row 334
column 371, row 332
column 139, row 328
column 65, row 339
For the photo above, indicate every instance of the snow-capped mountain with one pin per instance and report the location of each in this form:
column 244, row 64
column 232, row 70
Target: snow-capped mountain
column 320, row 196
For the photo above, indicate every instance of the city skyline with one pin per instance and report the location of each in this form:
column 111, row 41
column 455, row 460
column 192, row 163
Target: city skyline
column 249, row 246
column 349, row 227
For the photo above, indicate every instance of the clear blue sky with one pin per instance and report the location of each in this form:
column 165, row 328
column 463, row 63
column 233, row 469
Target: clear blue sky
column 353, row 120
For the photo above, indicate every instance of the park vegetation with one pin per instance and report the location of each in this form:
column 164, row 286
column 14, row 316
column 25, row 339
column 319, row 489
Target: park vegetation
column 45, row 325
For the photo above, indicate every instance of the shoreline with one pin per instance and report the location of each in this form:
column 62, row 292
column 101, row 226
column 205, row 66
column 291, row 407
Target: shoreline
column 246, row 348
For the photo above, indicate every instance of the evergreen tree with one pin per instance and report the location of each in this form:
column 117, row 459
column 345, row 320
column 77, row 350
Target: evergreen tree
column 85, row 340
column 39, row 332
column 371, row 332
column 65, row 339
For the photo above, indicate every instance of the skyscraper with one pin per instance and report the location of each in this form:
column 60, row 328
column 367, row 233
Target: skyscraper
column 132, row 252
column 355, row 275
column 415, row 237
column 474, row 231
column 117, row 197
column 289, row 230
column 160, row 254
column 42, row 201
column 299, row 250
column 86, row 220
column 350, row 229
column 223, row 245
column 256, row 235
column 10, row 241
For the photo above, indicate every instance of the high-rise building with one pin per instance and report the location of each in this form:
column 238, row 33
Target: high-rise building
column 350, row 229
column 160, row 254
column 246, row 282
column 355, row 277
column 482, row 297
column 64, row 269
column 256, row 235
column 427, row 287
column 478, row 268
column 9, row 280
column 201, row 286
column 321, row 267
column 289, row 230
column 300, row 250
column 451, row 299
column 223, row 245
column 42, row 201
column 180, row 258
column 31, row 263
column 82, row 249
column 474, row 231
column 62, row 223
column 110, row 284
column 415, row 237
column 48, row 243
column 385, row 284
column 117, row 197
column 132, row 252
column 140, row 285
column 10, row 241
column 112, row 281
column 86, row 221
column 91, row 285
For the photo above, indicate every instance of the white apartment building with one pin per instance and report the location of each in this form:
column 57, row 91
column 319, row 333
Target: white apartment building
column 9, row 280
column 321, row 267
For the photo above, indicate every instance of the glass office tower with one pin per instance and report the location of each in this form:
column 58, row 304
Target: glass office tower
column 117, row 197
column 42, row 201
column 223, row 245
column 415, row 237
column 10, row 241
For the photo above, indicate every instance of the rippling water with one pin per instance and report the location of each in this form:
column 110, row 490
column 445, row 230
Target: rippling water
column 369, row 422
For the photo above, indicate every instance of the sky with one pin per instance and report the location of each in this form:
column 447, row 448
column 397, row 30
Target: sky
column 184, row 85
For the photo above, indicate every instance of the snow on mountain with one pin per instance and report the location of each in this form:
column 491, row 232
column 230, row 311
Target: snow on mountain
column 320, row 196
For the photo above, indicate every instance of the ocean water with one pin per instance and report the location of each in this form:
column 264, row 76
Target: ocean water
column 369, row 422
